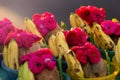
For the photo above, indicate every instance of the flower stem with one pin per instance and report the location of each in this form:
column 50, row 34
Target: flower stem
column 91, row 38
column 63, row 25
column 60, row 66
column 108, row 62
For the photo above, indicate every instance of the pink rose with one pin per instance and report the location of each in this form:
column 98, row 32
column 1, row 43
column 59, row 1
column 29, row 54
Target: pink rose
column 49, row 20
column 39, row 60
column 44, row 22
column 22, row 38
column 109, row 27
column 117, row 30
column 5, row 28
column 35, row 65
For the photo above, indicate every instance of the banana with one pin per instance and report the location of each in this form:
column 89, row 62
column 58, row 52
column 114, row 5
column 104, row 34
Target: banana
column 105, row 41
column 97, row 41
column 30, row 27
column 76, row 21
column 5, row 55
column 117, row 51
column 24, row 73
column 61, row 43
column 52, row 45
column 115, row 20
column 13, row 62
column 74, row 67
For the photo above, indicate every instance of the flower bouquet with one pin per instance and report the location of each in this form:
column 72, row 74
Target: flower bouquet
column 102, row 33
column 39, row 65
column 87, row 59
column 6, row 26
column 78, row 51
column 16, row 44
column 46, row 25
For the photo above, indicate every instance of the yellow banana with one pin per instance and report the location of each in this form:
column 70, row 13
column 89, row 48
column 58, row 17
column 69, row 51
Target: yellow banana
column 74, row 67
column 5, row 55
column 98, row 43
column 97, row 40
column 115, row 20
column 117, row 51
column 30, row 26
column 104, row 40
column 76, row 21
column 13, row 62
column 61, row 43
column 52, row 45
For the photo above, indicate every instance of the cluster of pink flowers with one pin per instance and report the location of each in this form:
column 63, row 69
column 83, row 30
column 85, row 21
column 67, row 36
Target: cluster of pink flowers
column 76, row 37
column 22, row 38
column 91, row 14
column 5, row 27
column 39, row 60
column 44, row 22
column 111, row 28
column 87, row 53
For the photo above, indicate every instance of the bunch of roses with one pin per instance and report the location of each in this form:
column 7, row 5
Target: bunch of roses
column 39, row 60
column 84, row 50
column 91, row 14
column 44, row 22
column 87, row 53
column 76, row 37
column 22, row 38
column 111, row 28
column 5, row 27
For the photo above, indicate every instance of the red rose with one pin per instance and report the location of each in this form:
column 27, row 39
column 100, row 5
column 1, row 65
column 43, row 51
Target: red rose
column 93, row 53
column 91, row 14
column 76, row 37
column 75, row 48
column 81, row 56
column 87, row 52
column 81, row 53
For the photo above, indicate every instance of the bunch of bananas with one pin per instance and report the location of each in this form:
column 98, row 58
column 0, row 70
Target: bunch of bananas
column 10, row 55
column 30, row 27
column 74, row 69
column 76, row 21
column 25, row 73
column 101, row 39
column 57, row 43
column 117, row 52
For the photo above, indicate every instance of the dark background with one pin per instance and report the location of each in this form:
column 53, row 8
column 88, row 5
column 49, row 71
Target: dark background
column 60, row 8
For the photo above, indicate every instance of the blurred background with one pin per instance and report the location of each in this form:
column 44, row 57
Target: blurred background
column 16, row 10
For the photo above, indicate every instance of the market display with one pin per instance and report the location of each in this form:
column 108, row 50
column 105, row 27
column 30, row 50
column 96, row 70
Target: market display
column 88, row 49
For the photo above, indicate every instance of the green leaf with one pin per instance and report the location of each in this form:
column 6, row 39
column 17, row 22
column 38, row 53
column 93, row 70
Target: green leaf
column 60, row 66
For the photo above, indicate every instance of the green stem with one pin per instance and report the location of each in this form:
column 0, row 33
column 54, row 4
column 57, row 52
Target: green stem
column 92, row 38
column 60, row 66
column 63, row 25
column 108, row 62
